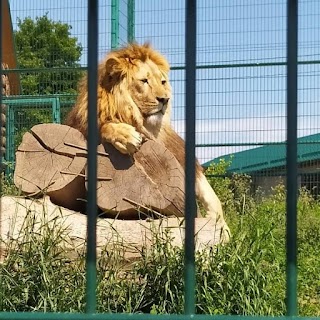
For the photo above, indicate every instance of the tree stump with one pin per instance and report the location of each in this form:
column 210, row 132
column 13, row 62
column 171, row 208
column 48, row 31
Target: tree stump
column 48, row 163
column 129, row 186
column 52, row 160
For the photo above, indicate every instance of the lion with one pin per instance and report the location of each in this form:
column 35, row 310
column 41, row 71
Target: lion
column 134, row 103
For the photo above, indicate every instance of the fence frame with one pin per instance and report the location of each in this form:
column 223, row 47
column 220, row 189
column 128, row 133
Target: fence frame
column 115, row 22
column 291, row 301
column 12, row 105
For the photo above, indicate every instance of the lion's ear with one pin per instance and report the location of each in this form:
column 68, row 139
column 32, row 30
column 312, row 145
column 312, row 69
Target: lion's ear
column 113, row 67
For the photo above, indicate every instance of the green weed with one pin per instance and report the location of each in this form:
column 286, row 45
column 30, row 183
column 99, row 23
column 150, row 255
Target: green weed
column 244, row 277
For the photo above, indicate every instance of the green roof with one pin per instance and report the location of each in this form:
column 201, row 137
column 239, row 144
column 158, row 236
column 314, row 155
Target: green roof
column 271, row 156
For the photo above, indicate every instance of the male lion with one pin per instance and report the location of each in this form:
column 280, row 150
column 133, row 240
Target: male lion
column 134, row 102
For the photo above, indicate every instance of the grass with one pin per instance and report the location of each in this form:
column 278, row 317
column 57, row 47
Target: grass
column 7, row 186
column 245, row 277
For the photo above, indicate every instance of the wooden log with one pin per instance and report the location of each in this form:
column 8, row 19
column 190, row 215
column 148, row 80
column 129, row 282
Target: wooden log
column 130, row 236
column 46, row 165
column 150, row 179
column 51, row 160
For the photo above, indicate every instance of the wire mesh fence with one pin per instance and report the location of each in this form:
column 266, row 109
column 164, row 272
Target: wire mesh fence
column 241, row 80
column 241, row 105
column 241, row 50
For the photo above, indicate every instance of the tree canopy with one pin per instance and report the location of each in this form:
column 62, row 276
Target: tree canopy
column 44, row 43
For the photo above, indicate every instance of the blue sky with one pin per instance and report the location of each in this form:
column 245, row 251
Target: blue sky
column 234, row 105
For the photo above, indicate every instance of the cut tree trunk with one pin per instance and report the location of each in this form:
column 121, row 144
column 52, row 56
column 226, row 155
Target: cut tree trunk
column 47, row 164
column 52, row 160
column 150, row 179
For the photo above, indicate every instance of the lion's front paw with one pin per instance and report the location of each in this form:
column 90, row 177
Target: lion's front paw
column 127, row 139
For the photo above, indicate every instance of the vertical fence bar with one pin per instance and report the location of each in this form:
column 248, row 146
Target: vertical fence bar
column 1, row 154
column 292, row 176
column 190, row 203
column 115, row 24
column 131, row 21
column 56, row 110
column 10, row 134
column 91, row 272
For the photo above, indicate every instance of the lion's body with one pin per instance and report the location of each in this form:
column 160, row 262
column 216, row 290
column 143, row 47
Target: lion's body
column 134, row 97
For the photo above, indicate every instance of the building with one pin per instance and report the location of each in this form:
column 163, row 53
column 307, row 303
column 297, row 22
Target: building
column 267, row 165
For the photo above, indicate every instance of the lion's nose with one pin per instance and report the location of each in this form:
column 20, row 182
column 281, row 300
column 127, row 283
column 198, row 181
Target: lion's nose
column 163, row 100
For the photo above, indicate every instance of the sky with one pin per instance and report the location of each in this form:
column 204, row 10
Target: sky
column 235, row 105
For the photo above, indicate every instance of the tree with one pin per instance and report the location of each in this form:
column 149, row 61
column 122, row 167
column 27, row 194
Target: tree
column 44, row 43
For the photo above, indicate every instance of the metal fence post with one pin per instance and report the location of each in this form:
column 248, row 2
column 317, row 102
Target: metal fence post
column 10, row 140
column 292, row 183
column 56, row 111
column 114, row 24
column 91, row 272
column 131, row 21
column 190, row 203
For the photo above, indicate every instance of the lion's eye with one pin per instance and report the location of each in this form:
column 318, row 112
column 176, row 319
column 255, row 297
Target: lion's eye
column 164, row 82
column 144, row 80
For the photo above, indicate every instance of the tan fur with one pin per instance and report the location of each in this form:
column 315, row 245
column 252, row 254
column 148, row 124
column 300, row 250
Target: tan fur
column 123, row 97
column 133, row 84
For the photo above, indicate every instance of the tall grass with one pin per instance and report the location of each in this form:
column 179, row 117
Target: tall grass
column 246, row 276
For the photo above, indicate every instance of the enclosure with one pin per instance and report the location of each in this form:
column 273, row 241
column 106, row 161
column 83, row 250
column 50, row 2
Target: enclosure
column 245, row 78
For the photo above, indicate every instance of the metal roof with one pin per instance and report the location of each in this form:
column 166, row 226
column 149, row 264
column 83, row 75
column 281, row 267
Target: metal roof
column 271, row 156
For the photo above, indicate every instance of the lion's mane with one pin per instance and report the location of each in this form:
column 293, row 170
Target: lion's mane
column 113, row 103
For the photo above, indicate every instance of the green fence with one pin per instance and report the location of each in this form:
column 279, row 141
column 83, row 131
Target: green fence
column 192, row 80
column 240, row 73
column 24, row 113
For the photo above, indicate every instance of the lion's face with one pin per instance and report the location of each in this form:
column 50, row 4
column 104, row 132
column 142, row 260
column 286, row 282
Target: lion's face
column 150, row 90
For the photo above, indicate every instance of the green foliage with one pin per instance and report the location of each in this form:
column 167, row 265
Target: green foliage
column 162, row 272
column 7, row 185
column 235, row 191
column 47, row 44
column 38, row 272
column 244, row 277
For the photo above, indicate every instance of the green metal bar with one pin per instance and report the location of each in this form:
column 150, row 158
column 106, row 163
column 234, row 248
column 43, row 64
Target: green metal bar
column 190, row 201
column 114, row 24
column 131, row 21
column 18, row 101
column 246, row 65
column 91, row 271
column 37, row 97
column 9, row 139
column 115, row 33
column 243, row 144
column 292, row 165
column 136, row 316
column 56, row 111
column 49, row 70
